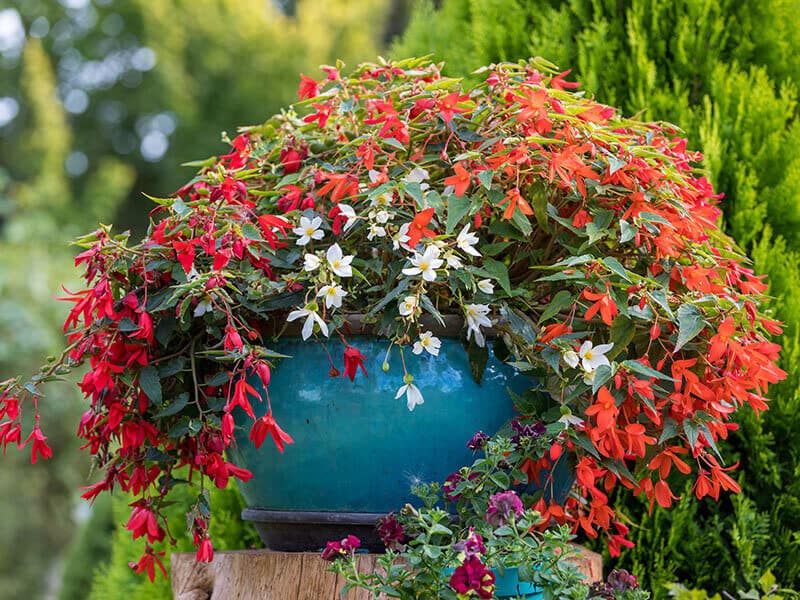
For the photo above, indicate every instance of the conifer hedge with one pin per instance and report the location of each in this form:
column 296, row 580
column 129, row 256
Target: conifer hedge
column 725, row 71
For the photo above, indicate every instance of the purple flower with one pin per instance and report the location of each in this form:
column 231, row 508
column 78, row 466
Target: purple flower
column 334, row 550
column 450, row 484
column 502, row 507
column 472, row 545
column 473, row 575
column 528, row 430
column 621, row 580
column 390, row 531
column 477, row 441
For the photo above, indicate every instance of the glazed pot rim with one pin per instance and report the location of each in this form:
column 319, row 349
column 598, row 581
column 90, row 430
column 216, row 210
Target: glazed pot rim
column 356, row 324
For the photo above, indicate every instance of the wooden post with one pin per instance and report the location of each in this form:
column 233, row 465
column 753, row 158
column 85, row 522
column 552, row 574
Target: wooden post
column 268, row 575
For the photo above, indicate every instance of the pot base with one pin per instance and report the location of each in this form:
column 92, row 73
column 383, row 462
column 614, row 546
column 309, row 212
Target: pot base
column 309, row 531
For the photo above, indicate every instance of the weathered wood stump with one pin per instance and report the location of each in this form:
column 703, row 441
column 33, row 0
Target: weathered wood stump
column 267, row 575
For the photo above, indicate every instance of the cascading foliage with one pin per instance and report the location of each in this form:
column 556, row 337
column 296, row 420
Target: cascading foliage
column 587, row 241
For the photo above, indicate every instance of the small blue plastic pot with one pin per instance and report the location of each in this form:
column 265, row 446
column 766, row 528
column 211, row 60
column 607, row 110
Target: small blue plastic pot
column 509, row 585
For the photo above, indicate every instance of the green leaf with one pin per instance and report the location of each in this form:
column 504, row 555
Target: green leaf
column 457, row 209
column 692, row 432
column 626, row 231
column 401, row 287
column 414, row 190
column 670, row 430
column 637, row 367
column 622, row 331
column 251, row 232
column 660, row 298
column 173, row 367
column 690, row 323
column 478, row 357
column 150, row 384
column 485, row 178
column 499, row 272
column 616, row 267
column 559, row 302
column 602, row 375
column 174, row 407
column 127, row 326
column 522, row 222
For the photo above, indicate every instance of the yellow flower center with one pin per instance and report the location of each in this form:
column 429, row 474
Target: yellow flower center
column 309, row 231
column 423, row 266
column 589, row 355
column 336, row 264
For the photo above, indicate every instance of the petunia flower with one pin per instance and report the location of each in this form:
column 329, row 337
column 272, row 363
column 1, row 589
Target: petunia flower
column 413, row 395
column 429, row 342
column 339, row 264
column 333, row 295
column 465, row 240
column 311, row 317
column 476, row 318
column 425, row 264
column 309, row 230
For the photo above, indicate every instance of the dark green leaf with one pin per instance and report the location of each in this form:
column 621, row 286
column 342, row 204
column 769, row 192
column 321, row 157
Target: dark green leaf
column 150, row 384
column 173, row 367
column 174, row 407
column 457, row 209
column 622, row 331
column 485, row 178
column 559, row 302
column 690, row 323
column 478, row 357
column 499, row 272
column 602, row 375
column 615, row 266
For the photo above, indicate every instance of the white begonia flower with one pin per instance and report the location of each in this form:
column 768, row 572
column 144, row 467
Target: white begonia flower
column 571, row 358
column 425, row 264
column 418, row 175
column 401, row 238
column 593, row 356
column 311, row 317
column 466, row 240
column 311, row 262
column 373, row 175
column 350, row 215
column 309, row 230
column 476, row 318
column 588, row 377
column 333, row 295
column 376, row 231
column 429, row 342
column 453, row 261
column 383, row 200
column 486, row 286
column 570, row 419
column 338, row 263
column 408, row 306
column 413, row 395
column 382, row 217
column 203, row 307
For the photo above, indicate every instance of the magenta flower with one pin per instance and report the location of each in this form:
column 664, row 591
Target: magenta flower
column 471, row 546
column 334, row 550
column 503, row 506
column 390, row 531
column 473, row 575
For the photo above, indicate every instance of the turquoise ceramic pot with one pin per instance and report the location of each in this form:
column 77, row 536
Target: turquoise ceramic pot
column 358, row 449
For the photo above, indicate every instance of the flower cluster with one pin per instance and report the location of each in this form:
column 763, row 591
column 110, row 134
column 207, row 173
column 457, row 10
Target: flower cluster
column 580, row 245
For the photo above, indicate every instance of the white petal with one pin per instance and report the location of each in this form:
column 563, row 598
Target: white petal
column 413, row 396
column 401, row 391
column 418, row 348
column 603, row 348
column 322, row 325
column 297, row 314
column 308, row 326
column 585, row 347
column 334, row 253
column 571, row 358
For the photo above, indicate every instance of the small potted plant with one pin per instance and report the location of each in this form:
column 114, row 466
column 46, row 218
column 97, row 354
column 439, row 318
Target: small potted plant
column 431, row 247
column 485, row 546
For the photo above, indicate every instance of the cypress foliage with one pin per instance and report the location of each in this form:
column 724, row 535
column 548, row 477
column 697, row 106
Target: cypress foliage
column 726, row 72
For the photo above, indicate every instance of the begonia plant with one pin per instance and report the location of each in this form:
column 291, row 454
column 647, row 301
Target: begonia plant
column 587, row 243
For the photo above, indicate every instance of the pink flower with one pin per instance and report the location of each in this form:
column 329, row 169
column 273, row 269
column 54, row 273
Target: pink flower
column 473, row 575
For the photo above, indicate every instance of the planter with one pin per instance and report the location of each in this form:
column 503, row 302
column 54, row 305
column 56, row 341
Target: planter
column 357, row 449
column 508, row 585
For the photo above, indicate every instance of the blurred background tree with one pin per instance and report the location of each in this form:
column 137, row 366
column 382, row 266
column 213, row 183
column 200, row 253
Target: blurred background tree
column 101, row 100
column 726, row 72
